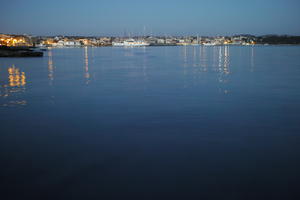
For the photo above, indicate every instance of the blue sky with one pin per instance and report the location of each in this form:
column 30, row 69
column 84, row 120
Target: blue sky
column 159, row 17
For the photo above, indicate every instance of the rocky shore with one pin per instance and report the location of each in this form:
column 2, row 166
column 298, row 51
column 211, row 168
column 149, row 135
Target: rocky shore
column 19, row 52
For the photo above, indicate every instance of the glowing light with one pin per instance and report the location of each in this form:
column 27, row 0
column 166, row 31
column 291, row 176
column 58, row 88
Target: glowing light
column 16, row 78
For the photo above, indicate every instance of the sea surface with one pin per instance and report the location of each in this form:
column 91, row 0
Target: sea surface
column 194, row 122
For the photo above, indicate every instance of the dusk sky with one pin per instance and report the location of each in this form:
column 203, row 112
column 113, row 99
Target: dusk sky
column 113, row 17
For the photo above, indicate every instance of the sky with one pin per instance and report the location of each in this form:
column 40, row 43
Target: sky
column 156, row 17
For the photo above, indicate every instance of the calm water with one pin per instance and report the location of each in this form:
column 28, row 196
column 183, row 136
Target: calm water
column 151, row 123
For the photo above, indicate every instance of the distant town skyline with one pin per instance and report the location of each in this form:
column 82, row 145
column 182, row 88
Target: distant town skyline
column 117, row 18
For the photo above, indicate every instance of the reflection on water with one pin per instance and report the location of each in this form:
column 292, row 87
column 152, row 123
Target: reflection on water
column 144, row 65
column 86, row 66
column 185, row 58
column 16, row 78
column 113, row 128
column 50, row 67
column 252, row 59
column 203, row 59
column 223, row 73
column 16, row 84
column 200, row 66
column 185, row 65
column 209, row 60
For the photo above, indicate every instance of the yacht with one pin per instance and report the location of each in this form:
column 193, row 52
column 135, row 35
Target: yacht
column 131, row 43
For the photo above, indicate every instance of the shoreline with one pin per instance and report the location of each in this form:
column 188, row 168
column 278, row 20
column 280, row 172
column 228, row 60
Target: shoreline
column 19, row 52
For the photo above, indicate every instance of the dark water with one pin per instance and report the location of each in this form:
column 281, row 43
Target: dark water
column 151, row 123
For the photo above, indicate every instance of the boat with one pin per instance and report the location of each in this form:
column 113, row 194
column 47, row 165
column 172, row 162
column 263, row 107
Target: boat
column 131, row 43
column 209, row 44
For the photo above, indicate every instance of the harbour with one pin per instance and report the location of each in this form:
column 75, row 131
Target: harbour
column 185, row 117
column 150, row 100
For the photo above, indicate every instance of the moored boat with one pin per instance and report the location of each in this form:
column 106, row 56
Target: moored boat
column 131, row 43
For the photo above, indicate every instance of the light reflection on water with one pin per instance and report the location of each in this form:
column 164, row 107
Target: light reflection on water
column 164, row 118
column 196, row 61
column 208, row 60
column 86, row 65
column 11, row 91
column 50, row 67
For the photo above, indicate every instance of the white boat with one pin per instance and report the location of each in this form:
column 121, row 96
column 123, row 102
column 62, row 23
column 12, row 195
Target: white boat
column 209, row 44
column 131, row 43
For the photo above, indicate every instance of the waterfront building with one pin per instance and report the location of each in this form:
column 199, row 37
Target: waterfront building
column 14, row 40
